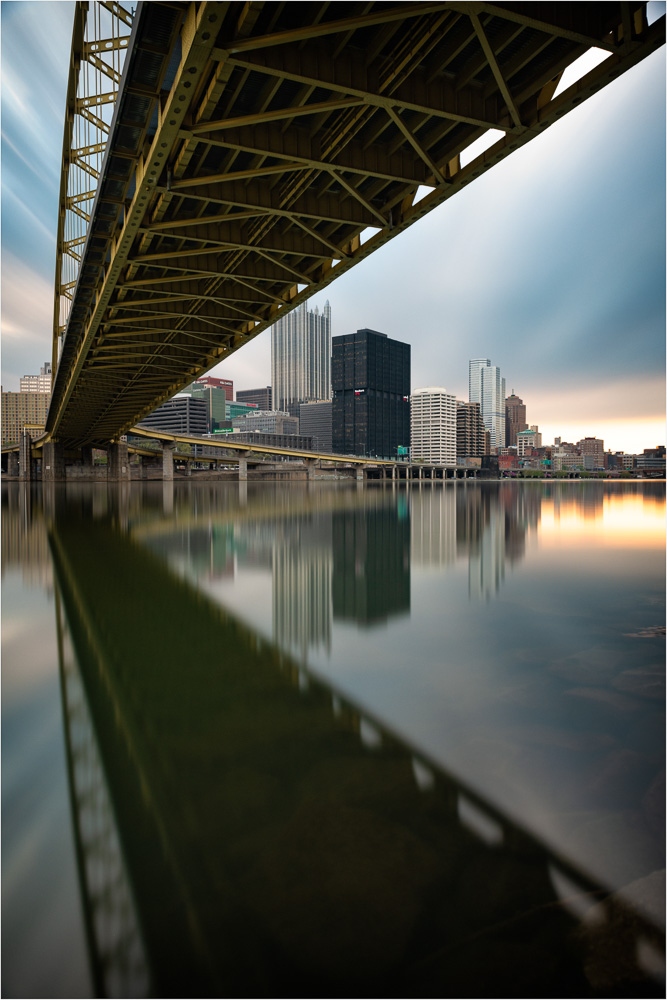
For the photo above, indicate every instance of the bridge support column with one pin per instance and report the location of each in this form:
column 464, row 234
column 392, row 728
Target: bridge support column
column 26, row 461
column 311, row 465
column 243, row 467
column 13, row 463
column 361, row 469
column 167, row 461
column 118, row 463
column 53, row 462
column 168, row 496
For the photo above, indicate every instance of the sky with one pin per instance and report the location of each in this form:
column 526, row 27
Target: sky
column 552, row 264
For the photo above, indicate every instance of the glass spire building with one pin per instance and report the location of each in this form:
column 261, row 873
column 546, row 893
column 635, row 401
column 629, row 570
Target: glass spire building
column 301, row 358
column 486, row 386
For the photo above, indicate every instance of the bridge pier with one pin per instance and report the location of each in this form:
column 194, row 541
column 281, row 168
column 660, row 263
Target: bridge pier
column 168, row 497
column 168, row 461
column 53, row 462
column 361, row 469
column 26, row 462
column 13, row 463
column 311, row 465
column 118, row 462
column 243, row 466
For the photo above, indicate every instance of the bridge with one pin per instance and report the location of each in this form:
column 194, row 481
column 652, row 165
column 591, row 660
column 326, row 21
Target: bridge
column 224, row 161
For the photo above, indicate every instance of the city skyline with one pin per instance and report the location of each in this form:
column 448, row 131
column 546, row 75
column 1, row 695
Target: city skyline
column 552, row 263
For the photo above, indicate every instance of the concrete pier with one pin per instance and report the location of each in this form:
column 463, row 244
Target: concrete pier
column 26, row 463
column 168, row 461
column 118, row 462
column 53, row 462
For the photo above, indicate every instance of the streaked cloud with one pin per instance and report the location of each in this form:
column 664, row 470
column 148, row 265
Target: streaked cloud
column 27, row 319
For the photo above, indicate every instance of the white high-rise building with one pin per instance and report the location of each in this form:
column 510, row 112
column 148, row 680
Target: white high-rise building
column 433, row 426
column 486, row 386
column 37, row 383
column 301, row 358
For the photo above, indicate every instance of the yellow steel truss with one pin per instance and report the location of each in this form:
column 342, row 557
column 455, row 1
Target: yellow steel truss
column 254, row 157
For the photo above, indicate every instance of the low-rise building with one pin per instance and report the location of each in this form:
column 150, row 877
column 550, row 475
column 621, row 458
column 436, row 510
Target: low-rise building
column 592, row 446
column 297, row 442
column 652, row 458
column 267, row 422
column 37, row 383
column 181, row 415
column 528, row 440
column 262, row 398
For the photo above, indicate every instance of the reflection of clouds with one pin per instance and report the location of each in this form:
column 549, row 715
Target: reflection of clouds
column 28, row 641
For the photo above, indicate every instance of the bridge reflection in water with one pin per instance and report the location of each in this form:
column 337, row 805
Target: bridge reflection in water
column 244, row 830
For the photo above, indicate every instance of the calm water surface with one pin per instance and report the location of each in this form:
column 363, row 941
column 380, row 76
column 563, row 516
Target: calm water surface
column 329, row 740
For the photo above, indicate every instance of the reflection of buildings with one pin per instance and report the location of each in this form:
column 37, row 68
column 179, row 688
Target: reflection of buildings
column 486, row 564
column 491, row 527
column 433, row 527
column 201, row 797
column 302, row 568
column 24, row 541
column 371, row 564
column 585, row 499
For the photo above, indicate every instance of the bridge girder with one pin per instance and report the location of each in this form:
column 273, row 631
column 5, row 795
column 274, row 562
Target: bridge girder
column 254, row 147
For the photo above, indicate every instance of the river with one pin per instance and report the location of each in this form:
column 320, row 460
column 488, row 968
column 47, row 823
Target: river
column 333, row 739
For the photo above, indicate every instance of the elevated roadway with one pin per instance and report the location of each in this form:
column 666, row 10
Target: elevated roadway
column 258, row 151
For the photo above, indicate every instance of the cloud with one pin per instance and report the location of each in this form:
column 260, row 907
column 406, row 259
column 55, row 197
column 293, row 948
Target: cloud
column 27, row 320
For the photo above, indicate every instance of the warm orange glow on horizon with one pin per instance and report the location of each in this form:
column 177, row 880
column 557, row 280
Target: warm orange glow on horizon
column 615, row 521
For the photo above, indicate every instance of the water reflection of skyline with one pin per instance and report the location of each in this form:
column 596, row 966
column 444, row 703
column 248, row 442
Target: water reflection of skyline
column 261, row 783
column 295, row 551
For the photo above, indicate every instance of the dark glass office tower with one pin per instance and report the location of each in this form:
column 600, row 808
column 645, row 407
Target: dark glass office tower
column 371, row 394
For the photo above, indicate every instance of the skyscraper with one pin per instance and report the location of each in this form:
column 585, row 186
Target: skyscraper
column 301, row 358
column 371, row 394
column 433, row 426
column 486, row 386
column 515, row 419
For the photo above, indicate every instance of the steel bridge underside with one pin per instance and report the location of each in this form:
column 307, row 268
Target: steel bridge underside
column 255, row 146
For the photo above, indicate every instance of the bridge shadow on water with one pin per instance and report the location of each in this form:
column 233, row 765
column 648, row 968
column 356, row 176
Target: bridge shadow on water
column 244, row 830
